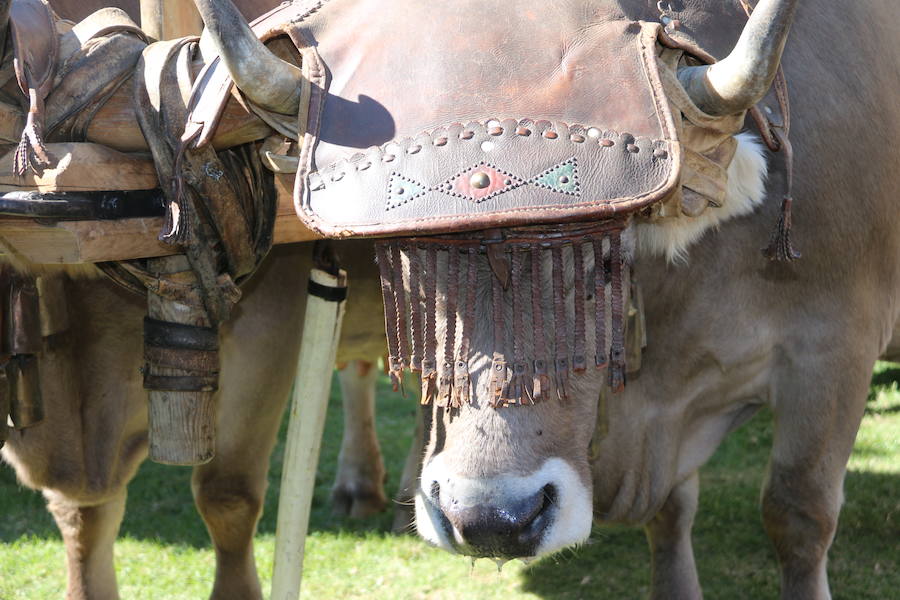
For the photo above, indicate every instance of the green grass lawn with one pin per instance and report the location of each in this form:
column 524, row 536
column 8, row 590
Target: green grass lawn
column 163, row 549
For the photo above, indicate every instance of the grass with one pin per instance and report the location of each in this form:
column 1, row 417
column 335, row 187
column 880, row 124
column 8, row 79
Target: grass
column 163, row 550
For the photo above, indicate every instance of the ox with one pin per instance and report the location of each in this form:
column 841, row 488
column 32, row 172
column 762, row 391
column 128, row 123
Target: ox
column 728, row 331
column 94, row 436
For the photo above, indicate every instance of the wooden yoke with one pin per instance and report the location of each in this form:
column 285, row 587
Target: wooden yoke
column 182, row 422
column 169, row 19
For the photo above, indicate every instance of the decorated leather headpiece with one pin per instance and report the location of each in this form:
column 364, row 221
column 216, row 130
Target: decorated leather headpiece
column 458, row 138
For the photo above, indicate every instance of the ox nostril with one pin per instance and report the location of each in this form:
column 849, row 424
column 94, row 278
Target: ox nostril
column 510, row 529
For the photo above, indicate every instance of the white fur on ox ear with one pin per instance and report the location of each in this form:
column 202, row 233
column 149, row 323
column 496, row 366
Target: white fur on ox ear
column 746, row 189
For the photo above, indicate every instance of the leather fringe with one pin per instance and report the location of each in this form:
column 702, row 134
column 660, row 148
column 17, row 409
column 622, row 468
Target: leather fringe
column 411, row 285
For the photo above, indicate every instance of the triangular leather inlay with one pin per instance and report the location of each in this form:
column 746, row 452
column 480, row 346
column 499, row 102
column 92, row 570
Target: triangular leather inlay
column 562, row 178
column 402, row 190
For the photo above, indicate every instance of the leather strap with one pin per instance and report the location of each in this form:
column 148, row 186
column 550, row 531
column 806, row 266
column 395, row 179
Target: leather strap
column 36, row 47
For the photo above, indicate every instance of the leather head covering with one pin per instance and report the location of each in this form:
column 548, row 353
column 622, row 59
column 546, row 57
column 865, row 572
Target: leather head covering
column 525, row 135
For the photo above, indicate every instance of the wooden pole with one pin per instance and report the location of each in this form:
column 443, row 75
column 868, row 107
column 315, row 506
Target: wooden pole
column 321, row 331
column 181, row 424
column 170, row 19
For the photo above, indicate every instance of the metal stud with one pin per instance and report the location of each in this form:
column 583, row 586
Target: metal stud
column 480, row 180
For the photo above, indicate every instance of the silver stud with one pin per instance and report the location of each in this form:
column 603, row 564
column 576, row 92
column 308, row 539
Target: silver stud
column 480, row 180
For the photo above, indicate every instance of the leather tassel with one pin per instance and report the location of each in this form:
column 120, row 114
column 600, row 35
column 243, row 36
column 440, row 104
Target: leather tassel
column 31, row 151
column 780, row 246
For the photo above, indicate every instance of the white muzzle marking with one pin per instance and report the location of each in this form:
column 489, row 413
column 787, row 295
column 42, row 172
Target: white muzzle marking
column 572, row 513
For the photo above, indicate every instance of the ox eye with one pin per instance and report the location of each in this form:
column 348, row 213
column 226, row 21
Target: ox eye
column 539, row 432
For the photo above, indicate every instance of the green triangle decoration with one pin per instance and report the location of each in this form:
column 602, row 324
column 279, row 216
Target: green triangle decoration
column 402, row 190
column 562, row 178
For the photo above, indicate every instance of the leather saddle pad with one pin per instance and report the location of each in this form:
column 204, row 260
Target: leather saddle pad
column 477, row 115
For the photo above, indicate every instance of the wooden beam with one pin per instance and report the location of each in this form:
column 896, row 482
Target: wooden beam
column 170, row 19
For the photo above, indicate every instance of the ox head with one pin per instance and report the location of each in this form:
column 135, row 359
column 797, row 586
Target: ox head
column 515, row 481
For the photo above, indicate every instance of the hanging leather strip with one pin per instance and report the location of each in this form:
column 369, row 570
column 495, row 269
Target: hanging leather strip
column 541, row 384
column 416, row 340
column 600, row 356
column 429, row 362
column 579, row 363
column 391, row 321
column 559, row 325
column 451, row 293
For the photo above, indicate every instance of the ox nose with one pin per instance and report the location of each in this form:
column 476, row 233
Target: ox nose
column 511, row 530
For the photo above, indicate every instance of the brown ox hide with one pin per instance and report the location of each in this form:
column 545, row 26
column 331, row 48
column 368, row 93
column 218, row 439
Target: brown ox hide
column 728, row 332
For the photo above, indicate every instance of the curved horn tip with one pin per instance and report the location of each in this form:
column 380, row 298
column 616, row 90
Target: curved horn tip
column 741, row 79
column 264, row 78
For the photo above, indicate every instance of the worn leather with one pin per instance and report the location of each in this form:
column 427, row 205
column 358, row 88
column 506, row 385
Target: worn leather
column 481, row 63
column 376, row 124
column 35, row 45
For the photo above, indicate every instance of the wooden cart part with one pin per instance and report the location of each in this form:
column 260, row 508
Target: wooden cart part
column 68, row 242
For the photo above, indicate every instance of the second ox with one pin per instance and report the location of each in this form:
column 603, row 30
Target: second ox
column 538, row 169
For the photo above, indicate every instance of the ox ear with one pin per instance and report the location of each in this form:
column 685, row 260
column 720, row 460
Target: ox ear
column 741, row 79
column 263, row 77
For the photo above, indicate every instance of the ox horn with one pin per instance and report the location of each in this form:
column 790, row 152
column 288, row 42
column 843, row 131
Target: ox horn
column 740, row 80
column 263, row 77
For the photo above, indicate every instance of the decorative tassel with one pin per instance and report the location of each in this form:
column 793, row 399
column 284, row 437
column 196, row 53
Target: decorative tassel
column 780, row 247
column 31, row 151
column 178, row 225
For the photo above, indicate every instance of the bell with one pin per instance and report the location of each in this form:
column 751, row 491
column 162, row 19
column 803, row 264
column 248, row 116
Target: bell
column 26, row 403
